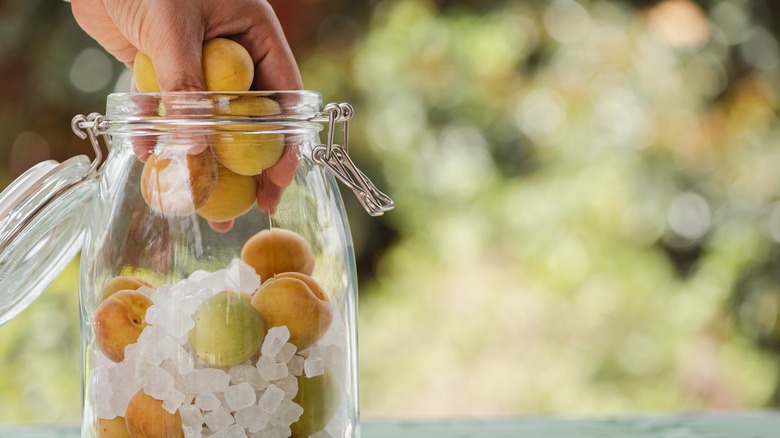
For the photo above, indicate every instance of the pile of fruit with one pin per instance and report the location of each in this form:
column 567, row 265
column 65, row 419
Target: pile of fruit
column 255, row 349
column 216, row 175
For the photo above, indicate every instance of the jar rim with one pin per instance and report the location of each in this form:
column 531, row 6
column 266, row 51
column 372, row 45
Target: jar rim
column 208, row 107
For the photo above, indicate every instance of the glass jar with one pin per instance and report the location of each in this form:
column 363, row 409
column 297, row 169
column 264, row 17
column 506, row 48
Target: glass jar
column 218, row 287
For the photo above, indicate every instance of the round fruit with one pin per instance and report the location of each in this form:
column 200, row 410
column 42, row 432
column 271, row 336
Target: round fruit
column 253, row 106
column 227, row 66
column 144, row 74
column 278, row 250
column 245, row 153
column 146, row 417
column 319, row 398
column 228, row 330
column 233, row 196
column 123, row 282
column 119, row 321
column 175, row 183
column 113, row 428
column 295, row 300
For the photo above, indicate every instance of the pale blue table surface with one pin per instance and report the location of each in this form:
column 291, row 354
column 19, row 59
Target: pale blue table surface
column 761, row 424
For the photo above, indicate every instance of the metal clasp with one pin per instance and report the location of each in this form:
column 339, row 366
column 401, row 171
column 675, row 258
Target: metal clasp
column 336, row 158
column 89, row 126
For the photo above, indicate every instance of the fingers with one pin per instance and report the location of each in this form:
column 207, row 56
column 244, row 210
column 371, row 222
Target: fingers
column 282, row 173
column 178, row 65
column 94, row 19
column 221, row 227
column 268, row 194
column 275, row 66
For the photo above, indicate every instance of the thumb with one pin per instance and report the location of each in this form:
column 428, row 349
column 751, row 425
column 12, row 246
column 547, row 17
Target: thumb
column 177, row 64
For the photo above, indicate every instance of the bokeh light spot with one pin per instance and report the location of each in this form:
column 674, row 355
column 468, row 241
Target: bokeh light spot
column 542, row 114
column 679, row 23
column 760, row 49
column 732, row 20
column 566, row 20
column 689, row 215
column 123, row 82
column 91, row 70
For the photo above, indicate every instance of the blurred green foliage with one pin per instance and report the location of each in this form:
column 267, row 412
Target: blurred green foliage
column 587, row 192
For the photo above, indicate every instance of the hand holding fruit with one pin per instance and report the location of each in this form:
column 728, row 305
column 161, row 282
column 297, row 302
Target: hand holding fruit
column 173, row 33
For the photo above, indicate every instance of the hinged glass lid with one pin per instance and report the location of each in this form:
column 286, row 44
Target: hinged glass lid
column 42, row 218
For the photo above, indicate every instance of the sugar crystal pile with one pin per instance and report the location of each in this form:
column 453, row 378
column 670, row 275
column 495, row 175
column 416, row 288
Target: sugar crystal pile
column 256, row 397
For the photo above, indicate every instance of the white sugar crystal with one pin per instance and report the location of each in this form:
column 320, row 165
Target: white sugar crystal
column 207, row 380
column 168, row 366
column 252, row 418
column 173, row 400
column 207, row 402
column 271, row 370
column 141, row 369
column 121, row 394
column 289, row 385
column 271, row 432
column 218, row 419
column 284, row 431
column 286, row 353
column 314, row 367
column 249, row 374
column 215, row 282
column 192, row 432
column 101, row 384
column 131, row 352
column 271, row 398
column 295, row 366
column 191, row 416
column 178, row 384
column 313, row 351
column 240, row 396
column 157, row 382
column 221, row 397
column 182, row 360
column 162, row 296
column 274, row 341
column 286, row 414
column 241, row 277
column 154, row 346
column 197, row 276
column 189, row 304
column 171, row 319
column 234, row 431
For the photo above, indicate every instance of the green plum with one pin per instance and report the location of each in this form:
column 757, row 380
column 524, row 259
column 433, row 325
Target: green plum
column 319, row 398
column 228, row 330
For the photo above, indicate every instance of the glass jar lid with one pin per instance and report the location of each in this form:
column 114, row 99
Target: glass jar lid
column 42, row 217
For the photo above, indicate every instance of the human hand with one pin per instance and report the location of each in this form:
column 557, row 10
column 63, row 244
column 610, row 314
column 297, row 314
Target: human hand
column 172, row 32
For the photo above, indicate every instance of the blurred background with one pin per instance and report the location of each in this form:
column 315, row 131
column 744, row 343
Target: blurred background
column 588, row 215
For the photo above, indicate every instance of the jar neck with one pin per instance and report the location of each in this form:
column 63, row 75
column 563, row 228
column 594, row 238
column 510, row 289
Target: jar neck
column 289, row 111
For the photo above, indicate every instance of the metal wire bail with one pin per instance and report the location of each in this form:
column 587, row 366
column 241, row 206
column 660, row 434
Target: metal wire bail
column 88, row 126
column 336, row 158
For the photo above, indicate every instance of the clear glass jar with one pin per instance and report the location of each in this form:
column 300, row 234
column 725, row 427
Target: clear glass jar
column 218, row 288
